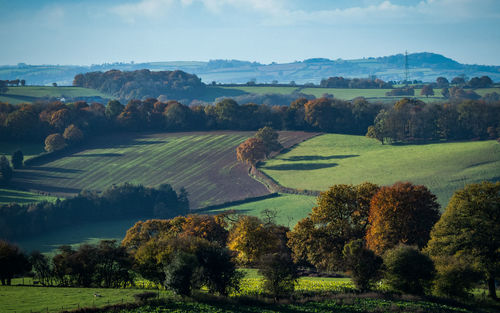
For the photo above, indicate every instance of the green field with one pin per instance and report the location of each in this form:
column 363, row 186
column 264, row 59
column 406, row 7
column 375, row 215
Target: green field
column 27, row 299
column 333, row 159
column 29, row 94
column 264, row 90
column 289, row 208
column 8, row 195
column 29, row 149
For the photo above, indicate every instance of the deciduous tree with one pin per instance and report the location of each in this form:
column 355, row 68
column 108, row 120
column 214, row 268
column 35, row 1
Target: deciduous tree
column 73, row 134
column 401, row 213
column 251, row 151
column 269, row 138
column 469, row 230
column 5, row 171
column 12, row 262
column 54, row 142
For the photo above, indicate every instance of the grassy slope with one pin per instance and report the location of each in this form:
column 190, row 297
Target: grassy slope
column 29, row 93
column 264, row 90
column 289, row 208
column 8, row 195
column 332, row 159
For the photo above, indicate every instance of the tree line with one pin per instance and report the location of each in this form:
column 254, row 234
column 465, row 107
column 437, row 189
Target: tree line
column 119, row 201
column 394, row 233
column 61, row 124
column 142, row 84
column 412, row 120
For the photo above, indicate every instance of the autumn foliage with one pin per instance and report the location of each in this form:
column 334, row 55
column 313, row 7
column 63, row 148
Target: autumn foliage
column 401, row 214
column 251, row 151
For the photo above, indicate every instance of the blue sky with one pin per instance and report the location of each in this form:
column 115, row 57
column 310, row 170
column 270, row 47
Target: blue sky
column 94, row 32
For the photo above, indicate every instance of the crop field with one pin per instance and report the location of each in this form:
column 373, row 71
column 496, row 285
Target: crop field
column 204, row 163
column 332, row 159
column 289, row 208
column 29, row 94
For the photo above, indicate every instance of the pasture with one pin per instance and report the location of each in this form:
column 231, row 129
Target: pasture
column 27, row 299
column 28, row 94
column 346, row 159
column 289, row 208
column 204, row 163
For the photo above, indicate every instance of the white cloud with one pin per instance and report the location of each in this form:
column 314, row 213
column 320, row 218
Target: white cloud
column 277, row 12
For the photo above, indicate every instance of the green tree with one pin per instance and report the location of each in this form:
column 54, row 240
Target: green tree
column 5, row 170
column 408, row 270
column 280, row 274
column 363, row 264
column 54, row 142
column 113, row 109
column 180, row 273
column 401, row 214
column 340, row 216
column 17, row 159
column 269, row 138
column 469, row 230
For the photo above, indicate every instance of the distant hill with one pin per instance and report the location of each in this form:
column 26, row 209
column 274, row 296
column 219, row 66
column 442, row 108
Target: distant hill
column 423, row 66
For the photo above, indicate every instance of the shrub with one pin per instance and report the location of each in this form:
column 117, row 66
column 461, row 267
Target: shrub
column 280, row 274
column 408, row 270
column 363, row 264
column 180, row 273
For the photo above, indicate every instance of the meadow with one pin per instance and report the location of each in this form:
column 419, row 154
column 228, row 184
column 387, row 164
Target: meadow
column 27, row 299
column 289, row 208
column 331, row 159
column 8, row 195
column 28, row 94
column 204, row 163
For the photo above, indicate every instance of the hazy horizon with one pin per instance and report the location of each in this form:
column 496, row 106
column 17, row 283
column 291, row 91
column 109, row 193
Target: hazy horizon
column 95, row 32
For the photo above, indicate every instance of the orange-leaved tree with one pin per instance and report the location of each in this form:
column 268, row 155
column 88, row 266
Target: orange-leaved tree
column 251, row 151
column 401, row 213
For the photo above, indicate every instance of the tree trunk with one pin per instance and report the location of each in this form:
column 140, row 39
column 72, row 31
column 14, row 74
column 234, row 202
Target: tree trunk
column 491, row 287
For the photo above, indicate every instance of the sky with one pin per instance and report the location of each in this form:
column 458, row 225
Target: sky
column 84, row 32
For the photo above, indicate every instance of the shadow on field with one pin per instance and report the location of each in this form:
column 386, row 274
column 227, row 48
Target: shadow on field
column 96, row 155
column 55, row 169
column 300, row 166
column 318, row 157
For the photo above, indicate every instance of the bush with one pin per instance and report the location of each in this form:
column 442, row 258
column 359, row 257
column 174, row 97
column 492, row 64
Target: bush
column 280, row 274
column 17, row 159
column 363, row 264
column 408, row 270
column 455, row 277
column 180, row 273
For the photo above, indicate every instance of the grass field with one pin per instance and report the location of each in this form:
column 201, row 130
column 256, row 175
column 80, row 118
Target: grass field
column 27, row 299
column 264, row 90
column 29, row 149
column 204, row 163
column 289, row 208
column 8, row 195
column 333, row 159
column 29, row 94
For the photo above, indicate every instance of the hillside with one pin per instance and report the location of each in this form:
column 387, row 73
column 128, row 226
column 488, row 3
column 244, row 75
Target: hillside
column 344, row 159
column 423, row 66
column 204, row 163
